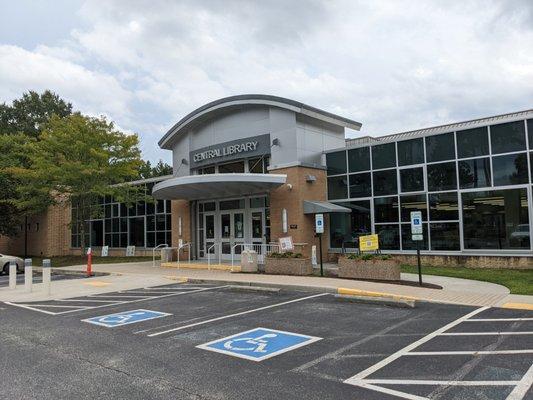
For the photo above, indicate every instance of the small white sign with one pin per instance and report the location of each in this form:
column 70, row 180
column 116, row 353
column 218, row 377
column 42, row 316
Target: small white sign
column 105, row 251
column 319, row 223
column 416, row 238
column 130, row 251
column 285, row 244
column 313, row 255
column 416, row 223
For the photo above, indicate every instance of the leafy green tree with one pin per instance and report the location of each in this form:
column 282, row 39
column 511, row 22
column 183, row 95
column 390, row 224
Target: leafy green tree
column 160, row 169
column 28, row 114
column 79, row 159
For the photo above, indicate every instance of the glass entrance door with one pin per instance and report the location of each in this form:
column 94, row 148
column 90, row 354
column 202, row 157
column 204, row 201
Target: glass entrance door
column 209, row 235
column 231, row 232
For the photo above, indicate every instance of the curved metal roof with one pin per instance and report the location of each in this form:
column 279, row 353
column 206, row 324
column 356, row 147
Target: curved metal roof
column 196, row 187
column 207, row 110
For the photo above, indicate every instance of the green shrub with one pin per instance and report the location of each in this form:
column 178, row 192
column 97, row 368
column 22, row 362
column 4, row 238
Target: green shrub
column 288, row 254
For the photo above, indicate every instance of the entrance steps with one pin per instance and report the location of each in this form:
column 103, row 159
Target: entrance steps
column 200, row 265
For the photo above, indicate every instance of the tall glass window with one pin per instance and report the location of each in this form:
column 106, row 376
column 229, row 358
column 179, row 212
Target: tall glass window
column 338, row 187
column 443, row 206
column 384, row 156
column 440, row 147
column 412, row 179
column 386, row 209
column 445, row 236
column 389, row 236
column 346, row 228
column 441, row 176
column 473, row 142
column 530, row 132
column 385, row 182
column 508, row 137
column 336, row 162
column 496, row 219
column 510, row 169
column 360, row 185
column 411, row 152
column 410, row 203
column 359, row 159
column 407, row 241
column 474, row 173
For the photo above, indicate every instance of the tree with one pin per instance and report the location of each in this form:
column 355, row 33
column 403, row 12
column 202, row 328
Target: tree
column 28, row 114
column 79, row 159
column 147, row 171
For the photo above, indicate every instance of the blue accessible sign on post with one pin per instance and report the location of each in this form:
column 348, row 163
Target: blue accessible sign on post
column 259, row 344
column 125, row 318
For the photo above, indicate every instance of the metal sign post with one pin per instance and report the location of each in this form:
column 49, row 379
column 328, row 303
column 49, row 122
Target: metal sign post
column 319, row 228
column 417, row 234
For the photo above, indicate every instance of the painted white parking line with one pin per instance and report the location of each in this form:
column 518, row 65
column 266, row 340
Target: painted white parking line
column 58, row 306
column 179, row 328
column 480, row 352
column 439, row 383
column 355, row 380
column 392, row 392
column 521, row 389
column 147, row 292
column 119, row 296
column 92, row 301
column 498, row 319
column 83, row 308
column 484, row 333
column 30, row 308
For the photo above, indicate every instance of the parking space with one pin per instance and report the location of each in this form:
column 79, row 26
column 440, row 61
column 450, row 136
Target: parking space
column 217, row 342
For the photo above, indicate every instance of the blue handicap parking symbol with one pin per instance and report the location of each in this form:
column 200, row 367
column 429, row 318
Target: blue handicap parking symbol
column 125, row 318
column 258, row 344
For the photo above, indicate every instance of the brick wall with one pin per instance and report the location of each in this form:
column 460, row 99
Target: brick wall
column 303, row 230
column 181, row 208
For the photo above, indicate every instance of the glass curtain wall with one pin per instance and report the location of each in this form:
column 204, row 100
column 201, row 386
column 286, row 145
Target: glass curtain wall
column 473, row 187
column 142, row 224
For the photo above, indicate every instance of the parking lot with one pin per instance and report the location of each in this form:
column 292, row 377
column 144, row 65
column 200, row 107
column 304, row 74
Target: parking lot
column 199, row 341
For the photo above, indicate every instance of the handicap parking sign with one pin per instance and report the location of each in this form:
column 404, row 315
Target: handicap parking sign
column 125, row 318
column 259, row 344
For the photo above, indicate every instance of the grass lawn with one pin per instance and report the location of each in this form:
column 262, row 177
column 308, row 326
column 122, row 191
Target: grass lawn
column 518, row 281
column 65, row 261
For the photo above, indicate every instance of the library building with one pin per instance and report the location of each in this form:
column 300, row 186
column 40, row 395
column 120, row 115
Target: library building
column 251, row 169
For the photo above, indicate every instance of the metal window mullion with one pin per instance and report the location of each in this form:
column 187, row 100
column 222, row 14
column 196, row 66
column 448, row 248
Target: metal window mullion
column 529, row 191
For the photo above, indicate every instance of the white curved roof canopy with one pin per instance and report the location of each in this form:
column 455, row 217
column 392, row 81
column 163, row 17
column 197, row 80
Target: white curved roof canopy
column 214, row 186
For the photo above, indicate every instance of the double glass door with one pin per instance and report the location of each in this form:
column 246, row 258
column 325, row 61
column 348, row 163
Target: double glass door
column 225, row 230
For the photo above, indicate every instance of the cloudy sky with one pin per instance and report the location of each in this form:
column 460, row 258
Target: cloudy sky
column 392, row 65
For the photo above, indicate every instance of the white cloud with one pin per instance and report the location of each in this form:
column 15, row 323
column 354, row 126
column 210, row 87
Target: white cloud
column 393, row 65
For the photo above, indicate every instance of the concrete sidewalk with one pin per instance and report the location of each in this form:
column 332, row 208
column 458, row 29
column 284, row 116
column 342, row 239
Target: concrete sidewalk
column 454, row 290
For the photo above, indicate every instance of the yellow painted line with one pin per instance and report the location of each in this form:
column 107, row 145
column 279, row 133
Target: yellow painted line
column 179, row 279
column 358, row 292
column 216, row 267
column 97, row 283
column 518, row 306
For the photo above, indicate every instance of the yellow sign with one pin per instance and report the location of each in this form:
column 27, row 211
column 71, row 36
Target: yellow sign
column 368, row 243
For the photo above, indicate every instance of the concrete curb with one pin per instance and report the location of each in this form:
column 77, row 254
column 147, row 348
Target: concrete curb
column 71, row 272
column 382, row 301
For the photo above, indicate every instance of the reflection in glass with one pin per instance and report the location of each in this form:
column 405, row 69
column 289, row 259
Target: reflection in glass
column 443, row 206
column 474, row 173
column 385, row 182
column 407, row 241
column 338, row 187
column 360, row 185
column 440, row 147
column 507, row 137
column 510, row 169
column 359, row 159
column 386, row 209
column 384, row 156
column 445, row 236
column 410, row 203
column 411, row 152
column 346, row 228
column 473, row 142
column 496, row 219
column 441, row 176
column 389, row 236
column 412, row 179
column 336, row 162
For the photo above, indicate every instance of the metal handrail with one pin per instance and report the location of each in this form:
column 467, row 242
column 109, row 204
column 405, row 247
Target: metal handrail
column 209, row 253
column 158, row 247
column 182, row 246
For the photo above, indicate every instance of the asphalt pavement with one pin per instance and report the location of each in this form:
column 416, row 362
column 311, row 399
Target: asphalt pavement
column 203, row 341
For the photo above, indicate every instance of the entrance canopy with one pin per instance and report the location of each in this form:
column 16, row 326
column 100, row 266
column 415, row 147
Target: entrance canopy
column 215, row 186
column 323, row 207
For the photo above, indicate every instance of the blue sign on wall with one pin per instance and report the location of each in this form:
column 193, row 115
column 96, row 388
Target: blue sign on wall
column 258, row 344
column 125, row 318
